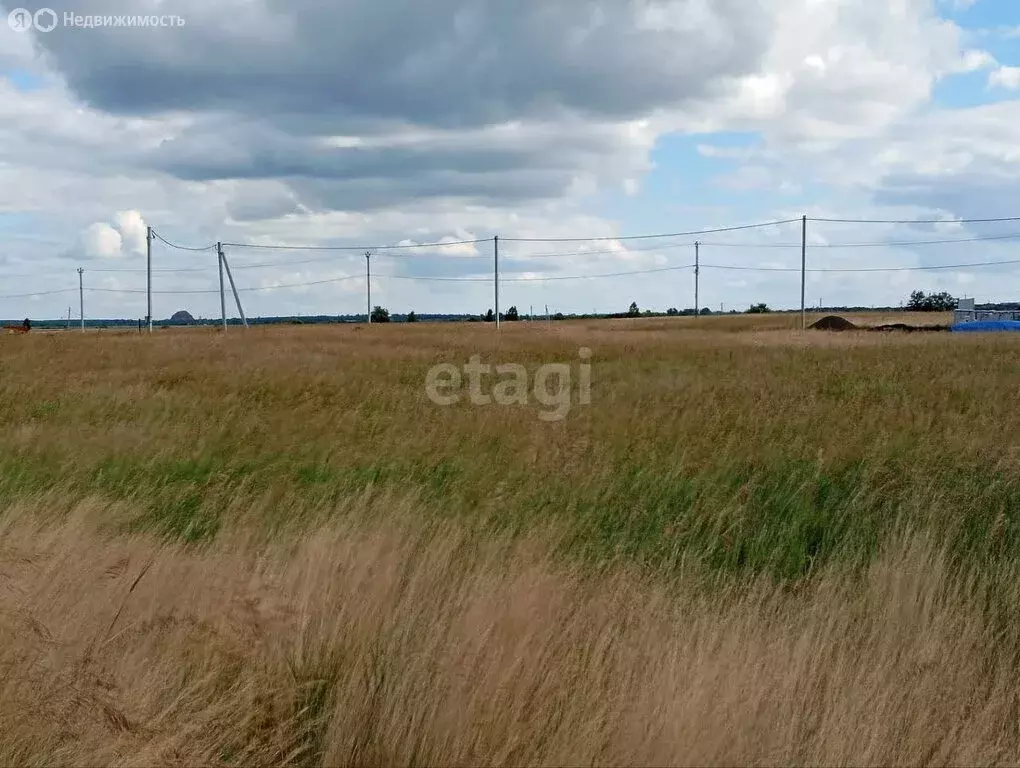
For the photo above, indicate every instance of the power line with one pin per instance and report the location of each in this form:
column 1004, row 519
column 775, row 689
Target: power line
column 267, row 264
column 160, row 271
column 865, row 269
column 302, row 285
column 917, row 221
column 27, row 275
column 647, row 237
column 182, row 247
column 870, row 244
column 38, row 293
column 593, row 277
column 283, row 247
column 664, row 247
column 142, row 290
column 535, row 279
column 416, row 278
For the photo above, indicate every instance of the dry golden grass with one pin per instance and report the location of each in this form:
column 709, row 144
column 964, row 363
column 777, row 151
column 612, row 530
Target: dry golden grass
column 756, row 546
column 393, row 644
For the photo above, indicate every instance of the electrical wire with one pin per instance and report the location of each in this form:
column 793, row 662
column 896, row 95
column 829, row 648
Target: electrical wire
column 533, row 279
column 645, row 237
column 665, row 247
column 301, row 285
column 181, row 247
column 142, row 290
column 418, row 278
column 864, row 269
column 372, row 248
column 155, row 271
column 39, row 293
column 869, row 244
column 917, row 221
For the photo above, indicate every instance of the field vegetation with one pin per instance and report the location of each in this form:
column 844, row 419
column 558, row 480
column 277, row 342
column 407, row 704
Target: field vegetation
column 755, row 546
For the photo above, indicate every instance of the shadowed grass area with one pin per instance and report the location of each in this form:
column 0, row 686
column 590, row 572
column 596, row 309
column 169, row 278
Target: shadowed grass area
column 754, row 451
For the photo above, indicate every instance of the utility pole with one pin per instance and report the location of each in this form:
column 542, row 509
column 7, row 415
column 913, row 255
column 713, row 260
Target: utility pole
column 803, row 272
column 495, row 251
column 697, row 277
column 233, row 287
column 531, row 312
column 81, row 296
column 547, row 318
column 368, row 283
column 148, row 275
column 223, row 295
column 68, row 318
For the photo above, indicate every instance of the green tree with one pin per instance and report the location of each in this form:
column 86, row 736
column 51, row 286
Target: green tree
column 633, row 311
column 411, row 317
column 759, row 309
column 935, row 302
column 490, row 317
column 512, row 315
column 380, row 315
column 916, row 301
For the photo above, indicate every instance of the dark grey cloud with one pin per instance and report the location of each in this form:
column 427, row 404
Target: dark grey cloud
column 505, row 189
column 967, row 194
column 428, row 86
column 500, row 166
column 230, row 150
column 440, row 62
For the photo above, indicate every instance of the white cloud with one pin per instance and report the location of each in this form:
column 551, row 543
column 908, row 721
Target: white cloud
column 101, row 241
column 975, row 60
column 1005, row 77
column 133, row 231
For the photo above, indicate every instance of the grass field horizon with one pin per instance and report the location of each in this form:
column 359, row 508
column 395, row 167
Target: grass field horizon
column 756, row 545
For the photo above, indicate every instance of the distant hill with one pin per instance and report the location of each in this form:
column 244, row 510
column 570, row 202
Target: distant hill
column 182, row 317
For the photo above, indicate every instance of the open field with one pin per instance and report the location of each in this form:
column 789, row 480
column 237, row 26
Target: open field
column 755, row 545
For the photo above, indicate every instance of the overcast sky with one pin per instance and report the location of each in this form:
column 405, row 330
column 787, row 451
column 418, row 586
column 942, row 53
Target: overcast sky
column 384, row 122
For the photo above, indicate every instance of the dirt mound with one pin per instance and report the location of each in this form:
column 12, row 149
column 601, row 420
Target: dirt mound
column 910, row 328
column 833, row 323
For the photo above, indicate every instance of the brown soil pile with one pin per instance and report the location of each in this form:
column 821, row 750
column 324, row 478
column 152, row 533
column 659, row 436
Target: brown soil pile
column 910, row 328
column 836, row 323
column 833, row 323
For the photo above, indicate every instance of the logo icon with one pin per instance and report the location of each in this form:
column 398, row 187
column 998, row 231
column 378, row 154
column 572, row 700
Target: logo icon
column 45, row 19
column 20, row 20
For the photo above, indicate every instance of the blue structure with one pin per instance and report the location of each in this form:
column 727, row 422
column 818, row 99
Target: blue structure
column 987, row 326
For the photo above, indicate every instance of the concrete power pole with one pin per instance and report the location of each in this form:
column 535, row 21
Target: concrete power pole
column 148, row 275
column 233, row 286
column 697, row 277
column 223, row 295
column 495, row 250
column 368, row 283
column 803, row 273
column 81, row 296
